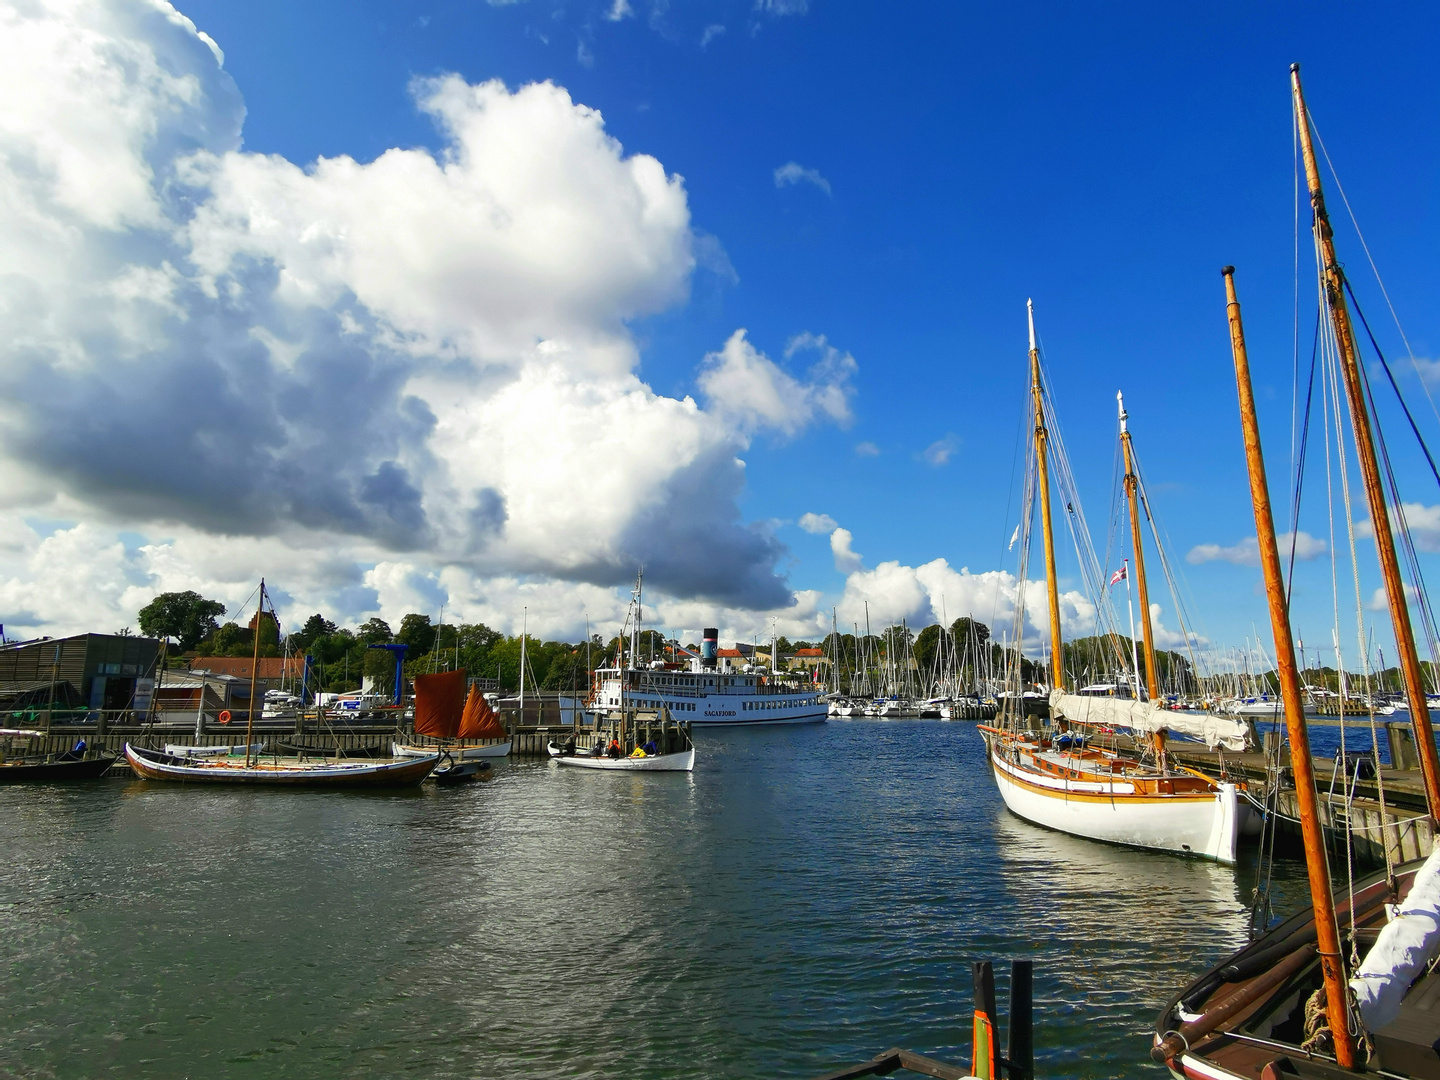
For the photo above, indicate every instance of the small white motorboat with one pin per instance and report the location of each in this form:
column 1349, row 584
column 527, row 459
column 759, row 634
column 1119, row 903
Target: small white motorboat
column 684, row 761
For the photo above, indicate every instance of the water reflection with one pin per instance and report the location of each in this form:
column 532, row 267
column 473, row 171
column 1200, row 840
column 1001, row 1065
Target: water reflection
column 804, row 898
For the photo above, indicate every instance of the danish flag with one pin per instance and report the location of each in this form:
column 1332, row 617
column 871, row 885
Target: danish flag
column 1118, row 576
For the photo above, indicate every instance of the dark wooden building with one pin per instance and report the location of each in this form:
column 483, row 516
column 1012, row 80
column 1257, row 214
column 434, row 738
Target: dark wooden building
column 85, row 672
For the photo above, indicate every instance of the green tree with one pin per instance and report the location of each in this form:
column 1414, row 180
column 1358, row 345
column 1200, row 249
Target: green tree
column 232, row 639
column 375, row 632
column 316, row 627
column 416, row 632
column 927, row 644
column 186, row 616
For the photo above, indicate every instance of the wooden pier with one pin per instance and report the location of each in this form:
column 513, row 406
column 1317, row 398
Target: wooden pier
column 304, row 735
column 1400, row 822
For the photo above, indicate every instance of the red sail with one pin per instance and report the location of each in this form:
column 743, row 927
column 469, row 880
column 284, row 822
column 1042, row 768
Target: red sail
column 479, row 720
column 438, row 702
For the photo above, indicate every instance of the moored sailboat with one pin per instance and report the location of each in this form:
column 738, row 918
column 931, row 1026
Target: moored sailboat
column 254, row 771
column 464, row 732
column 1286, row 1004
column 1057, row 778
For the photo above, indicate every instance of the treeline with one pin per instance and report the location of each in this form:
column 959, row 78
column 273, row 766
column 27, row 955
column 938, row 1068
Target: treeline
column 343, row 657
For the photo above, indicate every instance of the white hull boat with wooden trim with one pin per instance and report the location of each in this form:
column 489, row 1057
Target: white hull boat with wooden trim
column 1056, row 777
column 186, row 751
column 458, row 752
column 1105, row 796
column 681, row 762
column 155, row 765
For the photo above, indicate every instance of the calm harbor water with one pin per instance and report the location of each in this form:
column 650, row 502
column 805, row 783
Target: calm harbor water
column 807, row 898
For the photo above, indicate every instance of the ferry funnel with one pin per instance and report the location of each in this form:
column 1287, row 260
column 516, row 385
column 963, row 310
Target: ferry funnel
column 709, row 647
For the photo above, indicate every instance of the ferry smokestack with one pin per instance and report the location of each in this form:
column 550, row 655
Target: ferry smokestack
column 709, row 647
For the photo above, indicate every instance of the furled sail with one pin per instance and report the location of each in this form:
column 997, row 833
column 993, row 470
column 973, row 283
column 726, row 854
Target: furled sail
column 439, row 700
column 1145, row 717
column 1406, row 947
column 479, row 720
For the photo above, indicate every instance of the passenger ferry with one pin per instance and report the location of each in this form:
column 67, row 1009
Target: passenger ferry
column 708, row 693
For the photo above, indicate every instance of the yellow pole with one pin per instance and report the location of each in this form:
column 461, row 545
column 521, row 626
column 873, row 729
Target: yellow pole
column 1322, row 898
column 1334, row 281
column 254, row 673
column 1042, row 440
column 1147, row 631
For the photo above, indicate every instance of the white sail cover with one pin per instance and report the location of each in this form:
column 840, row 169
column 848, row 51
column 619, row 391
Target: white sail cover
column 1145, row 717
column 1405, row 948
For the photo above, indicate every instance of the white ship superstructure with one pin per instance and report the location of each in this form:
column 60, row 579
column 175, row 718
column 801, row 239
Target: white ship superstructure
column 707, row 692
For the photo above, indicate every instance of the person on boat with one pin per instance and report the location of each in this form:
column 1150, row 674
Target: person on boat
column 650, row 748
column 615, row 751
column 598, row 749
column 569, row 748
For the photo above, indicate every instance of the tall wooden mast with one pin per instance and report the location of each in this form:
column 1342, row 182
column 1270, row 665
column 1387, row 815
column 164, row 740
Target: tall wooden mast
column 1334, row 283
column 1321, row 897
column 254, row 674
column 1132, row 492
column 1042, row 440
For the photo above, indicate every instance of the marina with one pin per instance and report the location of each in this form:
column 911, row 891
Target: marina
column 573, row 541
column 744, row 903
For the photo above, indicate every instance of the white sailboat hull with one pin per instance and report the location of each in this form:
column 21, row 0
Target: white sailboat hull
column 1203, row 825
column 681, row 762
column 459, row 753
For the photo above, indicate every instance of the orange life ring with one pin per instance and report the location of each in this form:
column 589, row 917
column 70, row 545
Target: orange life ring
column 225, row 716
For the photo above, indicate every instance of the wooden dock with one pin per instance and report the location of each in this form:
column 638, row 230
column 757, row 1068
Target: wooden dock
column 1387, row 810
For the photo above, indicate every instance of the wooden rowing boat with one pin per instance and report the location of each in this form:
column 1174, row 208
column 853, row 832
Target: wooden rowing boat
column 156, row 765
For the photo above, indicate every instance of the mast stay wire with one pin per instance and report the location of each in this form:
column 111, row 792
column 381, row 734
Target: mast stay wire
column 1299, row 467
column 1407, row 542
column 1188, row 626
column 1107, row 621
column 1354, row 222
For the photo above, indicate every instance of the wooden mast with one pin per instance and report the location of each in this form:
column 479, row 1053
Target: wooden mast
column 1334, row 282
column 1042, row 439
column 1321, row 896
column 254, row 673
column 1132, row 492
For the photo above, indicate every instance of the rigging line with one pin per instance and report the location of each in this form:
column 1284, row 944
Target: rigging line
column 1343, row 461
column 1390, row 375
column 1180, row 612
column 1299, row 470
column 1295, row 359
column 1412, row 561
column 1373, row 268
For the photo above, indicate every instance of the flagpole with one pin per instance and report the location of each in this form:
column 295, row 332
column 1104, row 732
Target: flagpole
column 1134, row 655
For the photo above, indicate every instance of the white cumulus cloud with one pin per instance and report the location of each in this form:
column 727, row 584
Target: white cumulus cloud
column 925, row 594
column 817, row 523
column 415, row 373
column 750, row 391
column 1247, row 551
column 847, row 560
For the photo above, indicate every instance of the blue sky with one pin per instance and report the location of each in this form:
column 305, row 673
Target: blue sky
column 953, row 160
